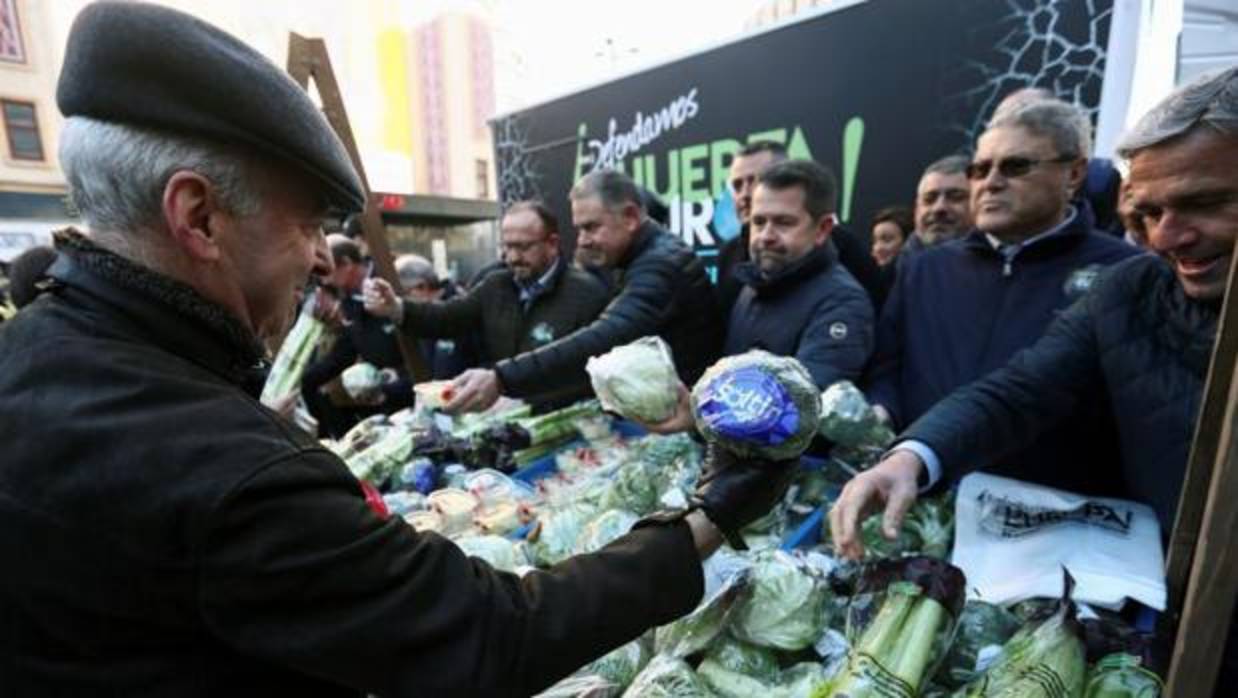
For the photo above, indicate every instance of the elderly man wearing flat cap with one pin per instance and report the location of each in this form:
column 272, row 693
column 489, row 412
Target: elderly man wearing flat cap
column 164, row 533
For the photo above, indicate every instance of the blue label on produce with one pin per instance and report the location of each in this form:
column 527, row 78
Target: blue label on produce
column 749, row 405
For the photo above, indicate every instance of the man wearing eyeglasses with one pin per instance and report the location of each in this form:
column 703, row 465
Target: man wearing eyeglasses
column 964, row 307
column 536, row 298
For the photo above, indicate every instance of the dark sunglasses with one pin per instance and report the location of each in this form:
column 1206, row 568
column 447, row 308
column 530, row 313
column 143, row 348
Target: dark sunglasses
column 1011, row 167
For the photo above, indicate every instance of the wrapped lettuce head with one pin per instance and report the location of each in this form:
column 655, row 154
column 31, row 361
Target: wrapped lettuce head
column 556, row 533
column 697, row 630
column 667, row 677
column 634, row 486
column 608, row 526
column 983, row 628
column 501, row 553
column 734, row 669
column 849, row 421
column 1122, row 676
column 637, row 380
column 786, row 607
column 757, row 405
column 621, row 666
column 1041, row 653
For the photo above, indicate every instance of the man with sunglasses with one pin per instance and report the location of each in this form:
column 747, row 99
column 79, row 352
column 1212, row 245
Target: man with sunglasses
column 1140, row 341
column 534, row 299
column 962, row 308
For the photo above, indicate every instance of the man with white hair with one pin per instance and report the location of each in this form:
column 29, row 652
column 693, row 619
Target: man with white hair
column 962, row 308
column 1141, row 339
column 165, row 533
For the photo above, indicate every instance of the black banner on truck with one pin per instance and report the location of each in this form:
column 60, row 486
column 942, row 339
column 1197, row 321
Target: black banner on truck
column 875, row 91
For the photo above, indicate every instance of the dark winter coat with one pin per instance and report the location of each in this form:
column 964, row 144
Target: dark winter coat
column 960, row 310
column 814, row 311
column 493, row 310
column 662, row 290
column 167, row 535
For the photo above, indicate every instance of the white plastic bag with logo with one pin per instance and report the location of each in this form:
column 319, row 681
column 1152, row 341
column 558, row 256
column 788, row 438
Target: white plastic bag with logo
column 1013, row 538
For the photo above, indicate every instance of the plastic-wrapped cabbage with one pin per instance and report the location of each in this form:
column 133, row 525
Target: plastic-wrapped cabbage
column 608, row 526
column 362, row 379
column 555, row 535
column 695, row 631
column 1122, row 676
column 621, row 666
column 758, row 405
column 637, row 380
column 1040, row 654
column 501, row 553
column 796, row 681
column 743, row 658
column 633, row 487
column 786, row 606
column 667, row 677
column 983, row 627
column 584, row 686
column 848, row 420
column 735, row 670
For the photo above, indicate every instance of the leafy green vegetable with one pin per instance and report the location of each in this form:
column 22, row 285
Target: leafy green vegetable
column 1122, row 676
column 981, row 625
column 849, row 421
column 1043, row 660
column 502, row 553
column 786, row 606
column 667, row 677
column 743, row 658
column 605, row 528
column 695, row 631
column 637, row 380
column 294, row 353
column 633, row 487
column 928, row 529
column 757, row 404
column 621, row 666
column 915, row 601
column 583, row 686
column 555, row 536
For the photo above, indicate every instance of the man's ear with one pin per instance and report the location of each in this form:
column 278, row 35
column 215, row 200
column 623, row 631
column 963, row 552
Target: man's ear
column 1075, row 176
column 825, row 226
column 632, row 217
column 189, row 204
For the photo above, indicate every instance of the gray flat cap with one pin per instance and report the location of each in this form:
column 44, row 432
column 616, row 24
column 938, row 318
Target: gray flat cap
column 140, row 64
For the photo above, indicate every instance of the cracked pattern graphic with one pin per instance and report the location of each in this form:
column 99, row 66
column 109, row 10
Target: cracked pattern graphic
column 1056, row 44
column 517, row 175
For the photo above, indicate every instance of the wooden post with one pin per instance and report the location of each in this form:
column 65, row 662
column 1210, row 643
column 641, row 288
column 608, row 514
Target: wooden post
column 1202, row 565
column 308, row 59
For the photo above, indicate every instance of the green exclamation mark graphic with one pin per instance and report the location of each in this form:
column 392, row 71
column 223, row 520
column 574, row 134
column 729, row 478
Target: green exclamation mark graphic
column 853, row 140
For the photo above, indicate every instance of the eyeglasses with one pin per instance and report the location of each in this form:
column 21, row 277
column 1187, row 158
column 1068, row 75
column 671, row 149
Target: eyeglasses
column 1011, row 167
column 520, row 247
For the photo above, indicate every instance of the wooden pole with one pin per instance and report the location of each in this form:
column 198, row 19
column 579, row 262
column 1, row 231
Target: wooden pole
column 308, row 59
column 1202, row 562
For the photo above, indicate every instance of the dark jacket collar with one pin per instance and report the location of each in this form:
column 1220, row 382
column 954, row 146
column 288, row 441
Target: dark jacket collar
column 813, row 263
column 644, row 237
column 160, row 309
column 1072, row 233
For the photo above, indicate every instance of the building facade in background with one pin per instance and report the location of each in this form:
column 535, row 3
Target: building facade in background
column 32, row 189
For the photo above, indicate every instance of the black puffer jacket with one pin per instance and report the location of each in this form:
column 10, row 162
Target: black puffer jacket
column 663, row 290
column 164, row 534
column 1137, row 339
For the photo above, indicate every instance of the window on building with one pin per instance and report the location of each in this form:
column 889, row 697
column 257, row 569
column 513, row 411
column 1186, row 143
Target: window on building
column 483, row 179
column 21, row 127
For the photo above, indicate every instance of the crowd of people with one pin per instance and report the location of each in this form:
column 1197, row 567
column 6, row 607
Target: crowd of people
column 190, row 540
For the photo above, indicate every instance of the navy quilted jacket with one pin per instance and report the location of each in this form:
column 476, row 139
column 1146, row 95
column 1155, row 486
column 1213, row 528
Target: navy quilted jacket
column 1137, row 341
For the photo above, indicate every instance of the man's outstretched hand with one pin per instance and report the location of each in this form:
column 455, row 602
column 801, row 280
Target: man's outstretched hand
column 892, row 484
